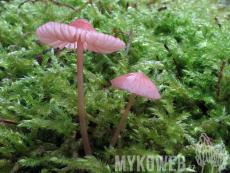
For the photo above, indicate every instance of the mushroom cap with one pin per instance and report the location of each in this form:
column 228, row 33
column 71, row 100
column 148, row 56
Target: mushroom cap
column 138, row 84
column 60, row 35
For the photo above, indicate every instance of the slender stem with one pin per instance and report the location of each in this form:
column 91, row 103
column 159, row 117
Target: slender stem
column 63, row 4
column 121, row 123
column 81, row 105
column 220, row 77
column 130, row 35
column 167, row 48
column 9, row 121
column 178, row 69
column 95, row 120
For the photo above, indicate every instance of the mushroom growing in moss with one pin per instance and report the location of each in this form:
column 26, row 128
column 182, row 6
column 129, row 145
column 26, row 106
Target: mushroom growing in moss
column 137, row 84
column 82, row 36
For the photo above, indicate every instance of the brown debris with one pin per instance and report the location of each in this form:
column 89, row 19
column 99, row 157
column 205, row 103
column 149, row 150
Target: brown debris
column 9, row 121
column 166, row 47
column 52, row 1
column 39, row 57
column 161, row 9
column 130, row 35
column 220, row 77
column 178, row 69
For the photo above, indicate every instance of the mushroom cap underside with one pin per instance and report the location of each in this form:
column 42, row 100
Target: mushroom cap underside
column 60, row 35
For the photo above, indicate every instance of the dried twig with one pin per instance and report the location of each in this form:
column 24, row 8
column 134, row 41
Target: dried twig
column 108, row 9
column 9, row 121
column 135, row 5
column 99, row 5
column 97, row 121
column 157, row 58
column 130, row 35
column 32, row 2
column 127, row 5
column 166, row 47
column 176, row 76
column 52, row 1
column 76, row 11
column 21, row 40
column 220, row 77
column 63, row 4
column 162, row 8
column 178, row 69
column 218, row 22
column 94, row 9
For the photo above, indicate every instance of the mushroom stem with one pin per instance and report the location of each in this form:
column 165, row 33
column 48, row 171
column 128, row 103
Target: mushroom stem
column 122, row 121
column 81, row 105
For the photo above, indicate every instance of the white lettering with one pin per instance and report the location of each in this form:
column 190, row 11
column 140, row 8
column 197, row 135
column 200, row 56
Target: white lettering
column 148, row 158
column 161, row 164
column 131, row 162
column 140, row 163
column 119, row 164
column 171, row 162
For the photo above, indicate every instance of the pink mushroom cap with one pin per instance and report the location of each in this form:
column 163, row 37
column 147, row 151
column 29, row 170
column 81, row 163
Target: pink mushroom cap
column 138, row 84
column 60, row 35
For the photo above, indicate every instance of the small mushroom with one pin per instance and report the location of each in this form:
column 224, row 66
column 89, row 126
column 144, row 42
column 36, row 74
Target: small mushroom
column 137, row 84
column 79, row 35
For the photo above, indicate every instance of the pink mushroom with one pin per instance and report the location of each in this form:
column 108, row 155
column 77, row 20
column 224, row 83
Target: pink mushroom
column 79, row 35
column 137, row 84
